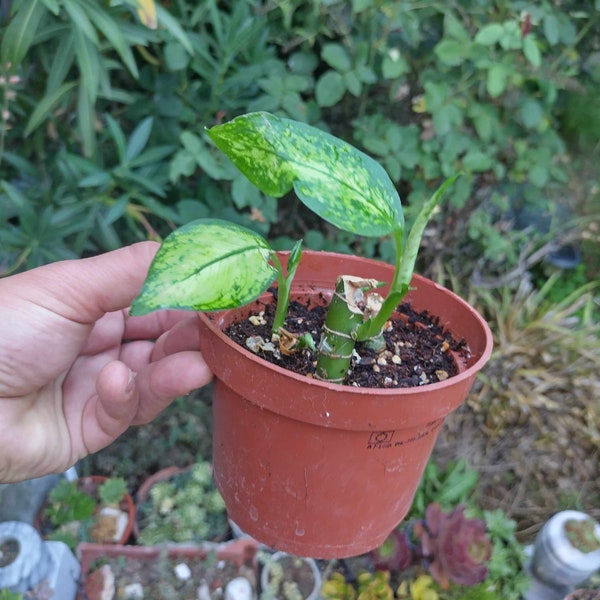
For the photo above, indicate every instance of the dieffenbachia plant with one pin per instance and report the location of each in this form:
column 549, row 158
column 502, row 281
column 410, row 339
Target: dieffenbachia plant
column 211, row 265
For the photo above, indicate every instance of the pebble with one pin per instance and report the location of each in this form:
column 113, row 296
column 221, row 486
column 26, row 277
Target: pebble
column 133, row 591
column 442, row 375
column 182, row 572
column 238, row 589
column 203, row 592
column 257, row 319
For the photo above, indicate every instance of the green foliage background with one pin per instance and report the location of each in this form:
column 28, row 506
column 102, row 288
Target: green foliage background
column 102, row 132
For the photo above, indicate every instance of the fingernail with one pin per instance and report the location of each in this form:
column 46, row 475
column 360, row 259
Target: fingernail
column 130, row 381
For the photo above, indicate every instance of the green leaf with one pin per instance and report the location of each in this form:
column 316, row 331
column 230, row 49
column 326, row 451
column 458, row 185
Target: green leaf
column 206, row 265
column 15, row 195
column 118, row 137
column 330, row 89
column 407, row 264
column 532, row 52
column 455, row 29
column 353, row 84
column 205, row 159
column 336, row 57
column 52, row 6
column 20, row 33
column 100, row 178
column 496, row 80
column 61, row 62
column 551, row 29
column 393, row 65
column 176, row 57
column 450, row 52
column 446, row 118
column 89, row 64
column 531, row 113
column 138, row 139
column 476, row 161
column 86, row 121
column 110, row 28
column 335, row 180
column 80, row 20
column 166, row 20
column 490, row 34
column 46, row 105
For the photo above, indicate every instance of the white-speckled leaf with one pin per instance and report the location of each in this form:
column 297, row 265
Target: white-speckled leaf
column 333, row 178
column 206, row 265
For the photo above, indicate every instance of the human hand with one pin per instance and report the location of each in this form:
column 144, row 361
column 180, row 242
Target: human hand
column 75, row 370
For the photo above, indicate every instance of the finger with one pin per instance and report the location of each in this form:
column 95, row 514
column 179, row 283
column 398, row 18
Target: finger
column 106, row 333
column 152, row 325
column 185, row 335
column 136, row 355
column 107, row 415
column 97, row 285
column 161, row 382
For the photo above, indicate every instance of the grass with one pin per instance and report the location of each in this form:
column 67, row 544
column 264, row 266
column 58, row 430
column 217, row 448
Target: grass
column 531, row 425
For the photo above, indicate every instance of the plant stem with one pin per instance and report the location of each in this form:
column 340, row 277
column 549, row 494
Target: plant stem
column 338, row 340
column 284, row 284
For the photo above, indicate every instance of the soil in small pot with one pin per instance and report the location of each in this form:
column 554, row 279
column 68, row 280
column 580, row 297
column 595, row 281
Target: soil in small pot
column 166, row 577
column 289, row 572
column 418, row 350
column 9, row 550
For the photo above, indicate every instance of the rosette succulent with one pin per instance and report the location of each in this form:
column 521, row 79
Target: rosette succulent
column 395, row 554
column 457, row 546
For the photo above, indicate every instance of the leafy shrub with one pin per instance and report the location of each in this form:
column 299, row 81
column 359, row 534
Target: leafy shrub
column 105, row 144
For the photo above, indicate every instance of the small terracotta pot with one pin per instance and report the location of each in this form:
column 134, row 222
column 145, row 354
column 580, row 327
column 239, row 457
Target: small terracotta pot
column 144, row 490
column 320, row 469
column 143, row 494
column 89, row 484
column 127, row 505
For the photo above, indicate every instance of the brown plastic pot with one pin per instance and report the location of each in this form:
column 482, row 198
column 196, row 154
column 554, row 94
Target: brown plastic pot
column 320, row 469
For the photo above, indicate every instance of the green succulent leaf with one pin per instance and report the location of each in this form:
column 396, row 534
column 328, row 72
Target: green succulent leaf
column 338, row 182
column 206, row 265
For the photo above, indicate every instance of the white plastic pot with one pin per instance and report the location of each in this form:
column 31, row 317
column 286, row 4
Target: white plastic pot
column 265, row 576
column 30, row 561
column 555, row 560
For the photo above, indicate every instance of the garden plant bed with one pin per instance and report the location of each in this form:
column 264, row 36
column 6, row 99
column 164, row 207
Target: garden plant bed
column 166, row 571
column 418, row 348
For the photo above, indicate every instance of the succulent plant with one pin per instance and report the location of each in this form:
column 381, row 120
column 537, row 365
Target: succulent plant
column 395, row 554
column 375, row 586
column 582, row 534
column 457, row 546
column 422, row 588
column 185, row 508
column 337, row 588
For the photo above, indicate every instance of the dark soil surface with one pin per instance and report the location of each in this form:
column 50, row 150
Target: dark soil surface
column 418, row 350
